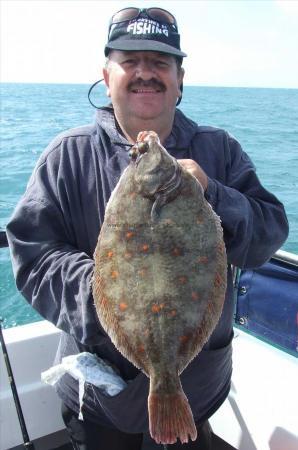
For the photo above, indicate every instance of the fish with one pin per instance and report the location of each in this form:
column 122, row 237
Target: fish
column 160, row 278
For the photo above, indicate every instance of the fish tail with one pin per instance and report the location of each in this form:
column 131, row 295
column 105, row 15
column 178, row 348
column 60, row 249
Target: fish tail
column 170, row 417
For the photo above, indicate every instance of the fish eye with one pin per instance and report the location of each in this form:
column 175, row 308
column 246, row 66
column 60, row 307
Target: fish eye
column 143, row 147
column 133, row 152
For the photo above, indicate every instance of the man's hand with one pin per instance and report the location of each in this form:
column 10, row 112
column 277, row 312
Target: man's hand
column 192, row 167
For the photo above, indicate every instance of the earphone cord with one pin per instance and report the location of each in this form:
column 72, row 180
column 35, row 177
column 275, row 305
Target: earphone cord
column 89, row 93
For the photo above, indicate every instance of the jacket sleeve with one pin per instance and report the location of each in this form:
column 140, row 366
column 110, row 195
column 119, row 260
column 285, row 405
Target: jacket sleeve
column 254, row 221
column 51, row 272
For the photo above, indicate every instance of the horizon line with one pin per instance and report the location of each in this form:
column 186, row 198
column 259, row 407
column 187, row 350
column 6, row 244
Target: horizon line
column 185, row 85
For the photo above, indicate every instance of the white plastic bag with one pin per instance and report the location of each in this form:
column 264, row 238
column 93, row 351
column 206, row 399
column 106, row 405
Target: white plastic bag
column 86, row 367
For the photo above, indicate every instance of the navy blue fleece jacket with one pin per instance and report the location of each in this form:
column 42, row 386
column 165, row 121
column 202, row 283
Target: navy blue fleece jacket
column 53, row 233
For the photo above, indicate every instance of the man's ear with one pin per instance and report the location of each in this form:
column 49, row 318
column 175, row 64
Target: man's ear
column 181, row 77
column 106, row 78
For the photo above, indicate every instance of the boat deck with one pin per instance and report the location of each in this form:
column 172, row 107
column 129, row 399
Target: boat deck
column 243, row 420
column 53, row 442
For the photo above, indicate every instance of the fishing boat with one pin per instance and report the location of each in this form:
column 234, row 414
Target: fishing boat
column 260, row 412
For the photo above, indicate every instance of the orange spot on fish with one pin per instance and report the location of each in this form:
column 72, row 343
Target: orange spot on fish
column 110, row 254
column 202, row 259
column 145, row 247
column 129, row 234
column 123, row 306
column 195, row 296
column 210, row 308
column 141, row 348
column 155, row 308
column 176, row 252
column 217, row 280
column 114, row 274
column 221, row 248
column 183, row 339
column 104, row 301
column 182, row 279
column 142, row 272
column 173, row 313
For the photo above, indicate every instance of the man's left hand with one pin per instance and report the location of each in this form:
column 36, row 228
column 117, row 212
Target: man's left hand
column 192, row 167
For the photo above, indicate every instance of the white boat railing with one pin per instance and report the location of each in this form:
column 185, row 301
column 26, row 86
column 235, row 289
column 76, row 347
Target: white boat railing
column 286, row 257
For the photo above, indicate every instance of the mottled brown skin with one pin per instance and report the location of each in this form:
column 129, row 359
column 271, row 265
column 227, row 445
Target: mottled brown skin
column 160, row 275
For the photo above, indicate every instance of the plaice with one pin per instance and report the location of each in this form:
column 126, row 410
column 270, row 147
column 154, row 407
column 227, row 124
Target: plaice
column 160, row 278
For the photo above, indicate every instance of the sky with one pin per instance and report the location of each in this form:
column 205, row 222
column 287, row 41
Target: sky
column 251, row 43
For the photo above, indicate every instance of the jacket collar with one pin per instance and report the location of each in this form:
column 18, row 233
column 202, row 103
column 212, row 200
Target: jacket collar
column 181, row 135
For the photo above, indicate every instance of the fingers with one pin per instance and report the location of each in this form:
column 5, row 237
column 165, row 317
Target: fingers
column 194, row 169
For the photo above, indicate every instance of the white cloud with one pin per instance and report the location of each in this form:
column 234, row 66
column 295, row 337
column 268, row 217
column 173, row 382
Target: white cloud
column 289, row 7
column 228, row 43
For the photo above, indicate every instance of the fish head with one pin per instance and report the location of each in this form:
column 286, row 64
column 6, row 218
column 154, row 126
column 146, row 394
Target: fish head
column 153, row 165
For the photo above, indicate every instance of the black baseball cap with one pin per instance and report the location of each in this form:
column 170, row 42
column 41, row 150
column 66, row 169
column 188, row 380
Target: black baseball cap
column 147, row 29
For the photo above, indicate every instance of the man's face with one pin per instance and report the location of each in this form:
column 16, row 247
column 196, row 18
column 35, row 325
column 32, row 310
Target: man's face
column 143, row 84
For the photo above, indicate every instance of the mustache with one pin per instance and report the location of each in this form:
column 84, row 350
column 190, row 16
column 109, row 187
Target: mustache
column 153, row 83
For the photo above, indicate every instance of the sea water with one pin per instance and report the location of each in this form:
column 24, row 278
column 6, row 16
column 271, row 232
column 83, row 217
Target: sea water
column 265, row 121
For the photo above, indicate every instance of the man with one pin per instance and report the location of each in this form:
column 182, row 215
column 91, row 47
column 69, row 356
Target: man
column 54, row 229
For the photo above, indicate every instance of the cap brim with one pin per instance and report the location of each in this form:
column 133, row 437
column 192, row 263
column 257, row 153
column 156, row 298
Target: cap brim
column 143, row 45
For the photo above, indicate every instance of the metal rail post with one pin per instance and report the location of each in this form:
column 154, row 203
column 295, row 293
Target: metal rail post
column 27, row 443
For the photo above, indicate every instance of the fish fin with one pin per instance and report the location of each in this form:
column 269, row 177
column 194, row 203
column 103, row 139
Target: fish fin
column 170, row 417
column 159, row 202
column 167, row 192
